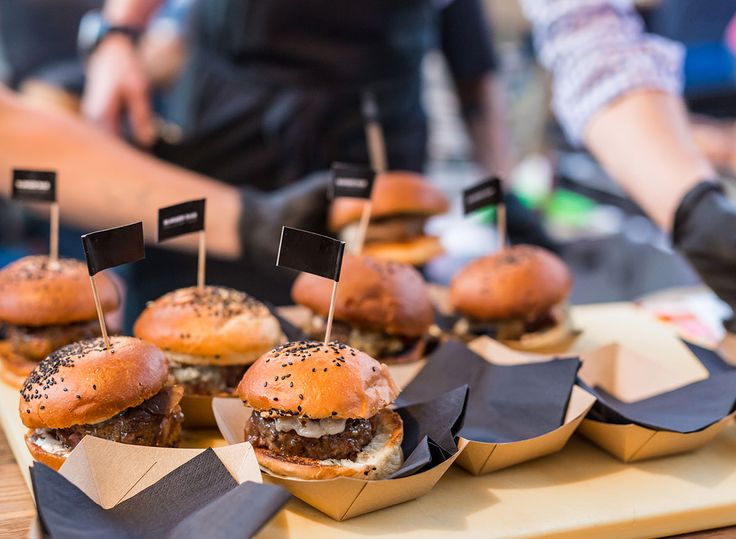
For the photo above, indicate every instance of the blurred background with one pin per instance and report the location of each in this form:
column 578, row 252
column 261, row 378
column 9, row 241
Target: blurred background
column 615, row 252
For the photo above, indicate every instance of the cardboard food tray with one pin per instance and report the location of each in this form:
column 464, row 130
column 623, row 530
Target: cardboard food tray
column 580, row 492
column 630, row 376
column 482, row 457
column 343, row 497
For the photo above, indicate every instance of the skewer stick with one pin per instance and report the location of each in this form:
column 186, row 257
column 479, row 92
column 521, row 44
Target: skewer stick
column 54, row 234
column 201, row 260
column 501, row 224
column 100, row 314
column 376, row 146
column 365, row 220
column 328, row 329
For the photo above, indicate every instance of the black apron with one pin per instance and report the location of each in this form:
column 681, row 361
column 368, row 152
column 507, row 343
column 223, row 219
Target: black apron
column 272, row 93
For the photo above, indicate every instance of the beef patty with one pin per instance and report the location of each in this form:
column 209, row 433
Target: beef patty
column 211, row 380
column 156, row 422
column 395, row 228
column 35, row 343
column 262, row 432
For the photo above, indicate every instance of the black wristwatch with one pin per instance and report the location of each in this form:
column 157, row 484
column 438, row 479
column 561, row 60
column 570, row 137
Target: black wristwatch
column 93, row 29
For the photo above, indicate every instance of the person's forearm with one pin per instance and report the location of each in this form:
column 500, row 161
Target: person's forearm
column 485, row 115
column 643, row 140
column 129, row 12
column 104, row 183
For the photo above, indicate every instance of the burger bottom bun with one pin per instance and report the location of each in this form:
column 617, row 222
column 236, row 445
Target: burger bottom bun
column 416, row 252
column 557, row 338
column 379, row 459
column 49, row 459
column 213, row 361
column 14, row 369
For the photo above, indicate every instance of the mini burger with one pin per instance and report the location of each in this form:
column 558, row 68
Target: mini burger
column 382, row 307
column 320, row 411
column 45, row 305
column 209, row 336
column 517, row 295
column 119, row 394
column 402, row 203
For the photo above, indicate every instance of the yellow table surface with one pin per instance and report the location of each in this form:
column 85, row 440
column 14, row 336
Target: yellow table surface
column 579, row 492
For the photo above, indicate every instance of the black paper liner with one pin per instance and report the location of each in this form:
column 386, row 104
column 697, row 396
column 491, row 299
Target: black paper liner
column 198, row 499
column 690, row 408
column 710, row 359
column 505, row 403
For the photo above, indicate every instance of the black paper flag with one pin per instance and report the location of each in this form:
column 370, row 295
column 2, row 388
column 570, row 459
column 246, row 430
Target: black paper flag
column 487, row 193
column 309, row 252
column 352, row 181
column 181, row 219
column 113, row 246
column 34, row 185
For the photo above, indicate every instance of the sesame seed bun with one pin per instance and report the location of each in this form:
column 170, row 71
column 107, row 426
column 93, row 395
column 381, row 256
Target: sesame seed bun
column 82, row 383
column 517, row 282
column 416, row 252
column 34, row 291
column 379, row 459
column 317, row 380
column 214, row 326
column 378, row 295
column 394, row 193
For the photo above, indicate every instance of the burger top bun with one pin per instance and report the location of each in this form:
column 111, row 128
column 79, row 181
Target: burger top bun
column 516, row 282
column 82, row 383
column 374, row 294
column 34, row 291
column 317, row 380
column 394, row 193
column 213, row 321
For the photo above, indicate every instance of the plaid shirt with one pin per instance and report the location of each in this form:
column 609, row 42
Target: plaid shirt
column 597, row 51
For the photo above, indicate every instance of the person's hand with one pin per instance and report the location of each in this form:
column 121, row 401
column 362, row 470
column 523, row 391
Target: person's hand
column 704, row 232
column 117, row 85
column 302, row 205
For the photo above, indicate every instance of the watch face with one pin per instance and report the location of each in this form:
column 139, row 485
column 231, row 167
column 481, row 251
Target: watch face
column 91, row 28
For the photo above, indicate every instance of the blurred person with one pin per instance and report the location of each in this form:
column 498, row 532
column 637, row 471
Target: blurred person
column 271, row 90
column 617, row 91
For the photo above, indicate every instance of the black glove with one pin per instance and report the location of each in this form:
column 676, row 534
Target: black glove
column 301, row 205
column 704, row 232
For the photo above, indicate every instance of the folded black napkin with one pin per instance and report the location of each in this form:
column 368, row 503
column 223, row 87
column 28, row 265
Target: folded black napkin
column 505, row 403
column 710, row 359
column 429, row 431
column 690, row 408
column 198, row 499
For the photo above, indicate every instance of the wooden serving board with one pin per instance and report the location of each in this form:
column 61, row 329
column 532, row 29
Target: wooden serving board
column 579, row 492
